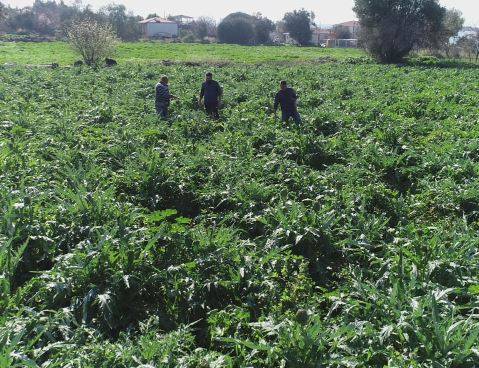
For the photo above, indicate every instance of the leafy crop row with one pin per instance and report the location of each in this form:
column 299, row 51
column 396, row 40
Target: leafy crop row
column 350, row 241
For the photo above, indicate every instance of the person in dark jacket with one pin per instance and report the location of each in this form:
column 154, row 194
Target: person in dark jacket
column 163, row 97
column 210, row 95
column 287, row 98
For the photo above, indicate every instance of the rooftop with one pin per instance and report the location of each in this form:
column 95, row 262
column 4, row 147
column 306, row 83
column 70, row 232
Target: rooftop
column 156, row 20
column 351, row 23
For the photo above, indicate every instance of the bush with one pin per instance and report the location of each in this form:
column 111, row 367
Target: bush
column 93, row 40
column 188, row 38
column 244, row 29
column 236, row 28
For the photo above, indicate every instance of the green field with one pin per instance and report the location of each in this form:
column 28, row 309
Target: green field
column 59, row 52
column 348, row 241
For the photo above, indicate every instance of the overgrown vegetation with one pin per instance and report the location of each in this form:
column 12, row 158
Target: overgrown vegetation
column 350, row 241
column 92, row 40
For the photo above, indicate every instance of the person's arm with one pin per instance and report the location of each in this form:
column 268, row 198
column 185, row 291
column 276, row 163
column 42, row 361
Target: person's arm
column 168, row 95
column 202, row 92
column 172, row 97
column 276, row 102
column 294, row 96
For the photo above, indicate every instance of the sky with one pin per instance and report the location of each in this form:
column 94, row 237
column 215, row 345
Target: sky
column 327, row 11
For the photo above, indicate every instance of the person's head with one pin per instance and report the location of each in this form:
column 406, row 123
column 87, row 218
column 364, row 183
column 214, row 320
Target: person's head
column 164, row 79
column 209, row 76
column 283, row 85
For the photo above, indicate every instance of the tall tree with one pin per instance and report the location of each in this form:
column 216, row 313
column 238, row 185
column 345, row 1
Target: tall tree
column 21, row 20
column 2, row 12
column 452, row 23
column 125, row 25
column 203, row 27
column 392, row 28
column 298, row 24
column 262, row 29
column 46, row 17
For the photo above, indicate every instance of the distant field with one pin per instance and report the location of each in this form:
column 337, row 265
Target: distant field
column 60, row 52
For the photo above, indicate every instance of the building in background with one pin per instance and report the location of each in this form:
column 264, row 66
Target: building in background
column 321, row 36
column 330, row 36
column 182, row 20
column 159, row 28
column 353, row 27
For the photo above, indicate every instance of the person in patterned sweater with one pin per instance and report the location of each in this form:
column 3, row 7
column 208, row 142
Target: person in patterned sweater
column 163, row 97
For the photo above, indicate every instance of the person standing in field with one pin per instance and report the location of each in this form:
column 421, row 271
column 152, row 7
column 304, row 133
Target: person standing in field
column 287, row 98
column 210, row 95
column 163, row 97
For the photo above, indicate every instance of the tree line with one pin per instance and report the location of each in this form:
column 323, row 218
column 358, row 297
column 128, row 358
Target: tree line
column 53, row 19
column 390, row 29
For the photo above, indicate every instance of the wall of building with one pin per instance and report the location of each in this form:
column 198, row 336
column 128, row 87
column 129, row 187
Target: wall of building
column 162, row 29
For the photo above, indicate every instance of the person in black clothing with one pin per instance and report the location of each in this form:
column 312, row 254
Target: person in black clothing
column 287, row 98
column 210, row 94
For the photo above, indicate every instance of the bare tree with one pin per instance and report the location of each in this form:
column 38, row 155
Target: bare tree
column 298, row 23
column 469, row 46
column 204, row 27
column 123, row 23
column 92, row 40
column 441, row 39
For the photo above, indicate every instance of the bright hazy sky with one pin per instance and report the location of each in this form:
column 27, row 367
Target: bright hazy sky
column 327, row 11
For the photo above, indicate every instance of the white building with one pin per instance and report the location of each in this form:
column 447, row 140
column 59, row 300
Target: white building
column 159, row 28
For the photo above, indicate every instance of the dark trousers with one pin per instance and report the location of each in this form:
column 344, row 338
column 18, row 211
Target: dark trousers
column 212, row 109
column 162, row 110
column 285, row 115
